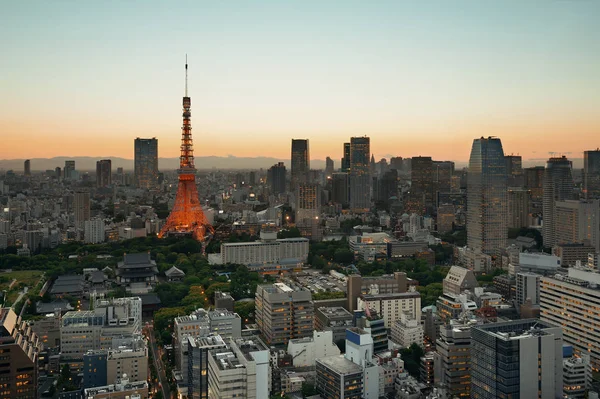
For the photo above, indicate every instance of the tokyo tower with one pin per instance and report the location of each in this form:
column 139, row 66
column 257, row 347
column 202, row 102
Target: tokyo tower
column 187, row 217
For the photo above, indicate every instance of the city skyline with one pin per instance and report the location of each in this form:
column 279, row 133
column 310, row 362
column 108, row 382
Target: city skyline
column 417, row 80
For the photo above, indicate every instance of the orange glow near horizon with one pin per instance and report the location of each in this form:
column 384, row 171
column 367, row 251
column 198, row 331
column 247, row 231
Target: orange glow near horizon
column 527, row 138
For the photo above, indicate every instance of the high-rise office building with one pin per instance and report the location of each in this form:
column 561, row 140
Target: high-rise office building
column 446, row 215
column 146, row 163
column 339, row 189
column 577, row 377
column 534, row 181
column 591, row 174
column 421, row 186
column 528, row 287
column 360, row 175
column 338, row 377
column 442, row 176
column 20, row 348
column 577, row 222
column 104, row 173
column 346, row 158
column 396, row 163
column 276, row 178
column 558, row 186
column 27, row 167
column 241, row 372
column 514, row 170
column 300, row 162
column 329, row 166
column 197, row 372
column 518, row 208
column 516, row 359
column 69, row 170
column 308, row 202
column 386, row 186
column 81, row 207
column 283, row 313
column 487, row 206
column 452, row 364
column 94, row 231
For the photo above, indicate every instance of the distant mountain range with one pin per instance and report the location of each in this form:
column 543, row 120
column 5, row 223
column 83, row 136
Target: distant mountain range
column 211, row 162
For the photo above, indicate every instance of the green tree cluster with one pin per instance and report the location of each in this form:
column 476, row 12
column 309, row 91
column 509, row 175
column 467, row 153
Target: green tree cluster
column 412, row 359
column 328, row 295
column 430, row 293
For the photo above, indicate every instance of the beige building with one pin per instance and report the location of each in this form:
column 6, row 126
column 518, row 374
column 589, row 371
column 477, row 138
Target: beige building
column 407, row 331
column 446, row 215
column 283, row 312
column 19, row 347
column 518, row 208
column 577, row 221
column 110, row 321
column 48, row 329
column 458, row 280
column 357, row 285
column 569, row 254
column 391, row 307
column 132, row 362
column 573, row 302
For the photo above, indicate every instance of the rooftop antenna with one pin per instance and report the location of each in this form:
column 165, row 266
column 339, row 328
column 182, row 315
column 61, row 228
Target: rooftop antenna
column 186, row 89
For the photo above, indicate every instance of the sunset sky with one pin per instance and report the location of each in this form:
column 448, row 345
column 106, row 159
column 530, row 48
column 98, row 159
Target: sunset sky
column 85, row 78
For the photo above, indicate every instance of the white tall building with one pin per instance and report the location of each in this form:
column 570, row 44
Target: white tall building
column 306, row 350
column 407, row 331
column 577, row 376
column 94, row 232
column 359, row 350
column 243, row 371
column 528, row 287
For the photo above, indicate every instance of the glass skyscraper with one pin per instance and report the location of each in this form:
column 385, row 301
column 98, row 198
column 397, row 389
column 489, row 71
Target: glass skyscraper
column 276, row 178
column 146, row 163
column 487, row 205
column 591, row 174
column 516, row 359
column 300, row 162
column 360, row 175
column 558, row 186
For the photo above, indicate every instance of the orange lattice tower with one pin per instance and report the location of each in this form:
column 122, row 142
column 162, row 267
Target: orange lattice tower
column 187, row 217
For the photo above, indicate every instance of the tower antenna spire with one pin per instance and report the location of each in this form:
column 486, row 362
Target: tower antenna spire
column 186, row 87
